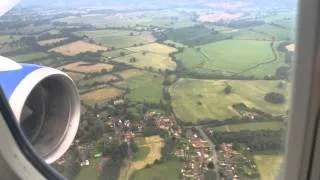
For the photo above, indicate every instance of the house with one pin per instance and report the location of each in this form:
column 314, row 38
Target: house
column 118, row 102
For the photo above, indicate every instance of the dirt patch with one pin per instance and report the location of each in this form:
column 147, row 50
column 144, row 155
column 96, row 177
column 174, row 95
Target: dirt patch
column 85, row 67
column 219, row 17
column 291, row 47
column 77, row 47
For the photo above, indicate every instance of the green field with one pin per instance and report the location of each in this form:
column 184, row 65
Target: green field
column 274, row 32
column 195, row 35
column 29, row 56
column 247, row 34
column 268, row 165
column 196, row 100
column 8, row 38
column 118, row 38
column 249, row 126
column 90, row 172
column 145, row 87
column 163, row 171
column 142, row 153
column 116, row 53
column 232, row 56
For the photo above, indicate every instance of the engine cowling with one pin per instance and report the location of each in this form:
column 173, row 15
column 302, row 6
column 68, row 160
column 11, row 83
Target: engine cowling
column 46, row 104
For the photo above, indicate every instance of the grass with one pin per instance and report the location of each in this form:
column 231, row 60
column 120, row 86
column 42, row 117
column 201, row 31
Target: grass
column 196, row 100
column 50, row 41
column 195, row 35
column 231, row 56
column 249, row 126
column 141, row 154
column 274, row 32
column 77, row 47
column 155, row 61
column 118, row 38
column 100, row 96
column 127, row 74
column 268, row 165
column 116, row 53
column 89, row 172
column 145, row 87
column 160, row 171
column 154, row 48
column 174, row 43
column 247, row 34
column 7, row 38
column 29, row 56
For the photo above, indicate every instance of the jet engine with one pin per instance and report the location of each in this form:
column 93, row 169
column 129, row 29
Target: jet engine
column 46, row 104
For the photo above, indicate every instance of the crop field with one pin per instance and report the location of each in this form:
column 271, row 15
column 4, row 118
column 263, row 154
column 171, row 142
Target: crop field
column 29, row 56
column 116, row 53
column 98, row 79
column 85, row 67
column 153, row 144
column 118, row 38
column 77, row 47
column 156, row 61
column 127, row 74
column 196, row 100
column 196, row 35
column 50, row 41
column 75, row 76
column 100, row 96
column 160, row 171
column 154, row 48
column 249, row 126
column 145, row 87
column 231, row 56
column 268, row 165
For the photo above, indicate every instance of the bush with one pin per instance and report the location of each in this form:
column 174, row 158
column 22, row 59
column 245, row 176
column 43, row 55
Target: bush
column 227, row 90
column 275, row 98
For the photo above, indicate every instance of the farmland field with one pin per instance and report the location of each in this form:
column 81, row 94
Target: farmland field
column 142, row 153
column 154, row 48
column 196, row 100
column 144, row 87
column 118, row 38
column 98, row 79
column 232, row 56
column 50, row 41
column 116, row 53
column 249, row 126
column 160, row 171
column 100, row 96
column 274, row 32
column 155, row 61
column 29, row 56
column 5, row 38
column 127, row 74
column 268, row 165
column 77, row 47
column 85, row 67
column 75, row 76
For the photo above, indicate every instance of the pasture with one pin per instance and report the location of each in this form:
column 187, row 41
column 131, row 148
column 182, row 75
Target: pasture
column 274, row 32
column 196, row 100
column 50, row 41
column 155, row 61
column 145, row 87
column 195, row 35
column 249, row 126
column 100, row 96
column 159, row 171
column 77, row 47
column 116, row 53
column 29, row 56
column 154, row 48
column 75, row 76
column 268, row 165
column 86, row 67
column 118, row 38
column 130, row 73
column 231, row 56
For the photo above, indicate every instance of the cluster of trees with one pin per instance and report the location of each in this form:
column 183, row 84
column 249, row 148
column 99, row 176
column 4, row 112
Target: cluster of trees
column 257, row 141
column 275, row 98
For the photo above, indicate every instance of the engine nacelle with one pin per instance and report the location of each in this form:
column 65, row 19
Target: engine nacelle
column 46, row 104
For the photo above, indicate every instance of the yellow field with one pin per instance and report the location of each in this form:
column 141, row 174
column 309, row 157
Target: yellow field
column 77, row 47
column 154, row 48
column 100, row 96
column 127, row 74
column 268, row 165
column 50, row 41
column 155, row 143
column 85, row 67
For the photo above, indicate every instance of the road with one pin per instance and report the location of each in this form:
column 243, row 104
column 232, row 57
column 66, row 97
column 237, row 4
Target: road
column 212, row 145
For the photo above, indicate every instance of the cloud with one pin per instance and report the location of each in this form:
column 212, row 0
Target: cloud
column 6, row 5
